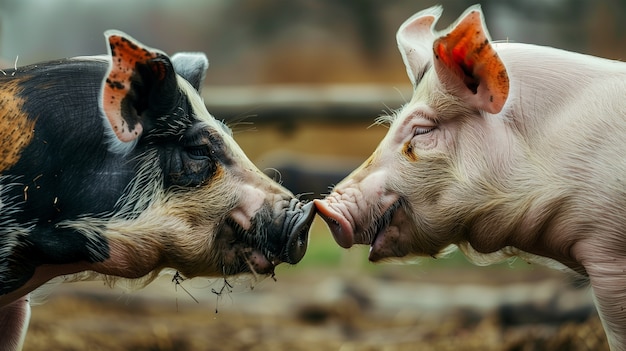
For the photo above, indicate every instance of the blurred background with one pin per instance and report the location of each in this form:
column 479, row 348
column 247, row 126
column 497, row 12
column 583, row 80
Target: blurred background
column 301, row 82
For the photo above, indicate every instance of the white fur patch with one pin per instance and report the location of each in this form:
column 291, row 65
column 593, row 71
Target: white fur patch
column 10, row 230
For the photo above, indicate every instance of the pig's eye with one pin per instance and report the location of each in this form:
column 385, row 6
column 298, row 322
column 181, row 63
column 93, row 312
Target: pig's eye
column 199, row 151
column 422, row 130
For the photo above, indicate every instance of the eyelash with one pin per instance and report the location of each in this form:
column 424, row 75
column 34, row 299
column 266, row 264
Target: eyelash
column 422, row 130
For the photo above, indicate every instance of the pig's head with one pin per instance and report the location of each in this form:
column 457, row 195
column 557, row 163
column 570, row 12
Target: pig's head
column 124, row 172
column 398, row 200
column 196, row 196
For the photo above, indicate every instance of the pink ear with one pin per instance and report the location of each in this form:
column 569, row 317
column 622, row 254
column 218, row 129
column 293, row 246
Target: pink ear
column 468, row 64
column 125, row 55
column 415, row 40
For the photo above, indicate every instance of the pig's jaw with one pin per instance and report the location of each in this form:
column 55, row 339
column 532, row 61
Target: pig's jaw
column 252, row 257
column 392, row 238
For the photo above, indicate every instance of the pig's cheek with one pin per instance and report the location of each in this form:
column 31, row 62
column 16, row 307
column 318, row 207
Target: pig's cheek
column 244, row 213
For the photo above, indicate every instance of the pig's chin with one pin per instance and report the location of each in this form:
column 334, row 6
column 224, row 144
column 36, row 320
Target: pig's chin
column 392, row 239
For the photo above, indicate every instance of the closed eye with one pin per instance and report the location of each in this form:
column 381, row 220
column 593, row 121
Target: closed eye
column 199, row 152
column 422, row 130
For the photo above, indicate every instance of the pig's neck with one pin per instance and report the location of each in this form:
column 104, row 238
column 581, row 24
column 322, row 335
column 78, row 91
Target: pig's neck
column 521, row 216
column 558, row 101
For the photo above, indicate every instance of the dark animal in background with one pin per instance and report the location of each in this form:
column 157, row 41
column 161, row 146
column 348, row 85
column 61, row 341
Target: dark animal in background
column 504, row 150
column 111, row 165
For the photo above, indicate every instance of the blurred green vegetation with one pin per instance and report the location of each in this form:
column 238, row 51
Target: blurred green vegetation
column 324, row 253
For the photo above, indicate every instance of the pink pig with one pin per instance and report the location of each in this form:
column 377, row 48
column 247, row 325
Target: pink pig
column 504, row 150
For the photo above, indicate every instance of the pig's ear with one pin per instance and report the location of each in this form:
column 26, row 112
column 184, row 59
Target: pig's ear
column 415, row 41
column 139, row 79
column 192, row 66
column 468, row 65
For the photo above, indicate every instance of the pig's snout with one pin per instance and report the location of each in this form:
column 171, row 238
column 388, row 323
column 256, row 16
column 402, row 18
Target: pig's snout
column 298, row 220
column 337, row 223
column 275, row 235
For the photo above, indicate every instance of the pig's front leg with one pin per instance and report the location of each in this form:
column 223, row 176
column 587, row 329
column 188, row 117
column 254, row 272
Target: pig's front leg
column 608, row 290
column 14, row 319
column 607, row 275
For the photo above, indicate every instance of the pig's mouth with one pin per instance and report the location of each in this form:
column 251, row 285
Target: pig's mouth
column 381, row 233
column 270, row 240
column 380, row 224
column 345, row 233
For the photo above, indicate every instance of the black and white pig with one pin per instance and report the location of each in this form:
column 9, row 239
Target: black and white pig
column 112, row 165
column 504, row 149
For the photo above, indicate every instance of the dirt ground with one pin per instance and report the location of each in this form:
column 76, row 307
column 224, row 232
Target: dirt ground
column 326, row 309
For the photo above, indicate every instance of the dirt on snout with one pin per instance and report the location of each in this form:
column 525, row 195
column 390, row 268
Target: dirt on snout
column 326, row 310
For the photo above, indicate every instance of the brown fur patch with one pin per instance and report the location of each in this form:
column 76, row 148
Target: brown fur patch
column 407, row 150
column 16, row 129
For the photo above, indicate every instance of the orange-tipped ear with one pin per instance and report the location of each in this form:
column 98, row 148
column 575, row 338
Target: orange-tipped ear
column 468, row 64
column 119, row 96
column 125, row 54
